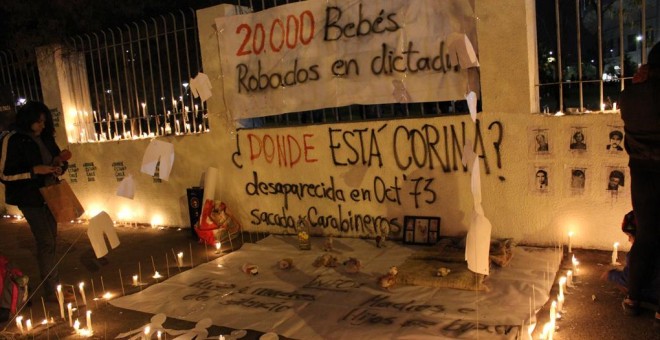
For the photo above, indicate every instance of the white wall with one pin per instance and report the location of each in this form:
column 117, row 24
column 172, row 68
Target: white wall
column 508, row 73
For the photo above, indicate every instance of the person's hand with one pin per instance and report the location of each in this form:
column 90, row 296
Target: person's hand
column 44, row 169
column 641, row 75
column 58, row 171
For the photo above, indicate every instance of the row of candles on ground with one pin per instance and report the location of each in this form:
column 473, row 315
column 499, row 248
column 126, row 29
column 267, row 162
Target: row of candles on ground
column 615, row 249
column 557, row 306
column 88, row 330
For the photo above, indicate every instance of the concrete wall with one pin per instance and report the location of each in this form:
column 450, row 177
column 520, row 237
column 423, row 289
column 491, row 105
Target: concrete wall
column 437, row 186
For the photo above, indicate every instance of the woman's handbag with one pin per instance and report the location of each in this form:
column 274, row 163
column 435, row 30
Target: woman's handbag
column 62, row 202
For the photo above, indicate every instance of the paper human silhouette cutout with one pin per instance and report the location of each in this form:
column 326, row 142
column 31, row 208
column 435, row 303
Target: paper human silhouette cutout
column 101, row 225
column 156, row 152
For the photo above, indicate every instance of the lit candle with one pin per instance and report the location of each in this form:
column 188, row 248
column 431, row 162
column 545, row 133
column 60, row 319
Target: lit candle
column 615, row 253
column 553, row 312
column 560, row 302
column 89, row 320
column 76, row 325
column 28, row 325
column 159, row 335
column 562, row 282
column 81, row 286
column 569, row 278
column 19, row 323
column 614, row 106
column 218, row 245
column 60, row 300
column 157, row 275
column 135, row 280
column 179, row 259
column 575, row 265
column 547, row 331
column 107, row 296
column 69, row 308
column 570, row 241
column 147, row 332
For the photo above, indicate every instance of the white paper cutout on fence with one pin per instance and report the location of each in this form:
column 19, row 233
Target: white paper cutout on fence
column 472, row 104
column 468, row 153
column 477, row 247
column 158, row 150
column 127, row 187
column 400, row 93
column 461, row 51
column 101, row 225
column 200, row 86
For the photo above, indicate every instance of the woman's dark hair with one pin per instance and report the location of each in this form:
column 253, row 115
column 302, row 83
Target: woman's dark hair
column 30, row 113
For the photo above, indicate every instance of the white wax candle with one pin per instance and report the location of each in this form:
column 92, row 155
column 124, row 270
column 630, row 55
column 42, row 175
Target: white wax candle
column 562, row 282
column 575, row 264
column 615, row 252
column 19, row 323
column 60, row 300
column 569, row 278
column 28, row 325
column 560, row 303
column 218, row 245
column 81, row 286
column 135, row 280
column 553, row 312
column 69, row 308
column 147, row 332
column 159, row 335
column 570, row 241
column 76, row 325
column 179, row 259
column 89, row 320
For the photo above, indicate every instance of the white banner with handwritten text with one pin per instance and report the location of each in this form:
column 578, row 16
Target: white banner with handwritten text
column 318, row 54
column 308, row 302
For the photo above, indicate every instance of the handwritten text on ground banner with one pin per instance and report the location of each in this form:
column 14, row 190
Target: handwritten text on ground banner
column 317, row 54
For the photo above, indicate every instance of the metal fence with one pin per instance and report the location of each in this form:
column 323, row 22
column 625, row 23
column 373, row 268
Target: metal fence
column 19, row 72
column 138, row 77
column 590, row 49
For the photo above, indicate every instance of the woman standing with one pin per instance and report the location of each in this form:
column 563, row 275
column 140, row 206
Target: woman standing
column 29, row 161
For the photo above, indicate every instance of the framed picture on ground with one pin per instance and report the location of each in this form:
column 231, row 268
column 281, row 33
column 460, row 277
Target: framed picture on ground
column 421, row 229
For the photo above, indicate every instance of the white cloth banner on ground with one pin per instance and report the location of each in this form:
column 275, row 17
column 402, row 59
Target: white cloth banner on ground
column 322, row 303
column 344, row 52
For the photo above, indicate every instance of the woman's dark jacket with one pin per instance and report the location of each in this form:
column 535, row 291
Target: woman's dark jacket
column 19, row 155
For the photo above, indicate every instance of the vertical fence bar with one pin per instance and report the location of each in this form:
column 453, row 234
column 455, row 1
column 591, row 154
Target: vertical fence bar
column 600, row 52
column 559, row 64
column 579, row 49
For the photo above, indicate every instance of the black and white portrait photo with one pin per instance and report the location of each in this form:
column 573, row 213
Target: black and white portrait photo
column 578, row 140
column 539, row 141
column 541, row 177
column 615, row 141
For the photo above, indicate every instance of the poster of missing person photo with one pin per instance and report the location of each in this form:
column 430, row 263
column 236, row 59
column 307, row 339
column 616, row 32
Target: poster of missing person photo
column 577, row 179
column 539, row 141
column 616, row 179
column 541, row 179
column 615, row 140
column 578, row 139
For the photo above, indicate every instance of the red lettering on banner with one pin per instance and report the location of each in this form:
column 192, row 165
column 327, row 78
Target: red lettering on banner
column 289, row 150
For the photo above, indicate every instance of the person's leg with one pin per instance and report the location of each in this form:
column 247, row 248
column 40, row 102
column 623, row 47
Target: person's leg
column 645, row 252
column 44, row 228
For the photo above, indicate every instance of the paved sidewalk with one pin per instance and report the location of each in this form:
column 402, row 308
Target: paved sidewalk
column 592, row 308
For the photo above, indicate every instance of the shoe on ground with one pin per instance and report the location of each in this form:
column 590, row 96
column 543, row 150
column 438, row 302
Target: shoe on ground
column 630, row 307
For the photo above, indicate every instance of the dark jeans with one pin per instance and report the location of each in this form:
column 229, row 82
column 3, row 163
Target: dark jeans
column 645, row 252
column 44, row 228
